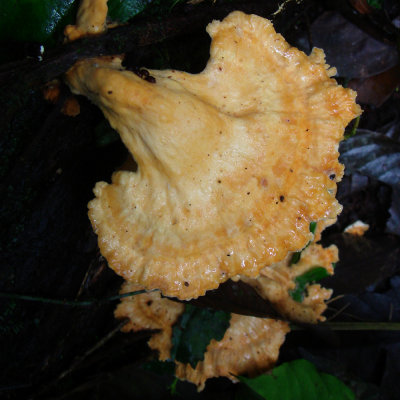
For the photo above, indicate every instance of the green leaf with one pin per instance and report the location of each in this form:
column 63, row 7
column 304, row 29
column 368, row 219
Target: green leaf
column 41, row 20
column 353, row 130
column 172, row 387
column 123, row 10
column 297, row 255
column 34, row 20
column 295, row 258
column 297, row 380
column 312, row 275
column 194, row 331
column 375, row 3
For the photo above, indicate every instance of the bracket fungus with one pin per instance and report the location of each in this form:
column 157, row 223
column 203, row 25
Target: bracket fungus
column 233, row 163
column 90, row 20
column 250, row 345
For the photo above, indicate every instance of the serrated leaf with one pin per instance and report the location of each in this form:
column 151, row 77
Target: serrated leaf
column 32, row 20
column 194, row 331
column 123, row 10
column 313, row 275
column 298, row 379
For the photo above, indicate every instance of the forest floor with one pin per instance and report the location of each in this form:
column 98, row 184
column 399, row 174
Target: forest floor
column 50, row 163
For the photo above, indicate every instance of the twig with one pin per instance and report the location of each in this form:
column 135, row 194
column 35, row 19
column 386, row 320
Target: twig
column 283, row 5
column 123, row 39
column 340, row 296
column 75, row 364
column 95, row 263
column 15, row 387
column 99, row 344
column 338, row 312
column 355, row 326
column 72, row 303
column 391, row 312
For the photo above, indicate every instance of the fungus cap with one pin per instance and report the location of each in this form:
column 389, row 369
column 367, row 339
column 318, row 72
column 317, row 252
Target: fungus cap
column 233, row 162
column 250, row 345
column 275, row 282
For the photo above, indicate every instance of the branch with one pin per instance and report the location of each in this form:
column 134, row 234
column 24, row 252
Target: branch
column 123, row 39
column 73, row 303
column 354, row 326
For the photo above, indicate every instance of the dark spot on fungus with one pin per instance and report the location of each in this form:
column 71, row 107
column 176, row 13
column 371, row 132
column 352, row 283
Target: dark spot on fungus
column 332, row 177
column 219, row 181
column 186, row 284
column 149, row 302
column 263, row 182
column 281, row 198
column 109, row 92
column 228, row 255
column 144, row 74
column 248, row 193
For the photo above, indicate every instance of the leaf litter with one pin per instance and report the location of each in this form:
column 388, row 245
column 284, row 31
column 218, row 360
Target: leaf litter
column 372, row 160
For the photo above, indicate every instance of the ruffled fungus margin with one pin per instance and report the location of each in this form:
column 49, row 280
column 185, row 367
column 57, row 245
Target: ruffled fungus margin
column 234, row 162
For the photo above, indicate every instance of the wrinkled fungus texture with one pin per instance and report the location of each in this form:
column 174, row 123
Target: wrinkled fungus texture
column 233, row 163
column 275, row 282
column 250, row 345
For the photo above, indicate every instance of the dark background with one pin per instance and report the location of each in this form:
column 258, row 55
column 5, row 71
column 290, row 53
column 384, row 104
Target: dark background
column 50, row 163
